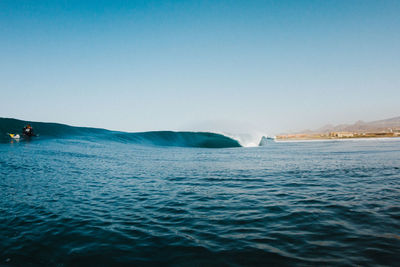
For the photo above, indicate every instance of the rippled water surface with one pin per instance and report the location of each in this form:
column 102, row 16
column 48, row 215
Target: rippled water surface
column 67, row 202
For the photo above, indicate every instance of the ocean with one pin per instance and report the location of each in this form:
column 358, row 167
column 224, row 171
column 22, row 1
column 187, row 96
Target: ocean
column 91, row 197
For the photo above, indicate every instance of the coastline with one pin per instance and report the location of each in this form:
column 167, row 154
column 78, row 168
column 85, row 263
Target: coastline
column 383, row 138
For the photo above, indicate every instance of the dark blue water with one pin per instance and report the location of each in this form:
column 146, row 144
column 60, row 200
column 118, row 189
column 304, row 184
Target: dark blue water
column 69, row 202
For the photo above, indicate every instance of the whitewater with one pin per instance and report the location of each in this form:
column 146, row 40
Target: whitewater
column 77, row 196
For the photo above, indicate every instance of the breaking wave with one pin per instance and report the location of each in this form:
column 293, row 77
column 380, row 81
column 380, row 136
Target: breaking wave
column 155, row 138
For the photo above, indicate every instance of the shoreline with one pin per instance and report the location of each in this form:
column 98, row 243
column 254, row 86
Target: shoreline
column 383, row 138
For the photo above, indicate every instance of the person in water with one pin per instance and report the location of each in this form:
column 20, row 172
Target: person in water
column 28, row 131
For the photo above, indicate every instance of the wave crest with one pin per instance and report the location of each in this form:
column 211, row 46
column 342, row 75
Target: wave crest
column 156, row 138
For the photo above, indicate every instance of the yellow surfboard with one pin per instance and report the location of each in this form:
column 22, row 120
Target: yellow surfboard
column 14, row 136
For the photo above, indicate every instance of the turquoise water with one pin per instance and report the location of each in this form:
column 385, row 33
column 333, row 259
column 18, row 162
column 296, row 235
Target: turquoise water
column 95, row 201
column 156, row 138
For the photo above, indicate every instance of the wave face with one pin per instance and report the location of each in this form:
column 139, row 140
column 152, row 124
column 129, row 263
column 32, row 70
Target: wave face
column 155, row 138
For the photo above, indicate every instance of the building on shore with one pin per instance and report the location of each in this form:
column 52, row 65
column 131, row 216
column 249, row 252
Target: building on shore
column 341, row 134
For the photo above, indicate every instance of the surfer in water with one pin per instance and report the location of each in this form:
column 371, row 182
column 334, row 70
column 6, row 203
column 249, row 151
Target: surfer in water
column 28, row 131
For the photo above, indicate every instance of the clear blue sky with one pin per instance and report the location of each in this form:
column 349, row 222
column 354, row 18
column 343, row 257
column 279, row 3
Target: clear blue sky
column 200, row 65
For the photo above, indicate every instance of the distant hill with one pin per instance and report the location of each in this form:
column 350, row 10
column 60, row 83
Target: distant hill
column 361, row 126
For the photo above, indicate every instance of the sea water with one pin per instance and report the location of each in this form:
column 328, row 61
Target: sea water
column 69, row 202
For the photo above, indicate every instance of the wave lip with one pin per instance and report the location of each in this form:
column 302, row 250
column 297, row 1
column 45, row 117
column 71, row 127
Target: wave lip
column 181, row 139
column 155, row 138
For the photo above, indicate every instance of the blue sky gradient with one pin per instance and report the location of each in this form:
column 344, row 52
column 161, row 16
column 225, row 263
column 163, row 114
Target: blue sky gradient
column 268, row 66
